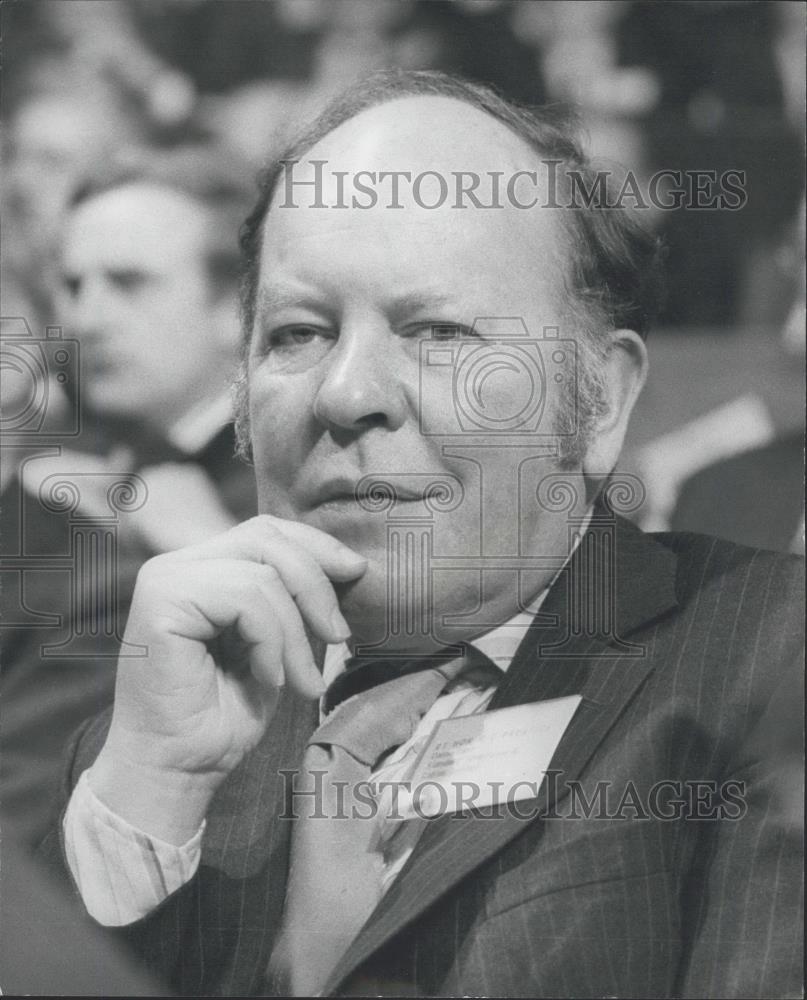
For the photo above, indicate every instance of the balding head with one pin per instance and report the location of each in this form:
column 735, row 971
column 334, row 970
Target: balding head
column 424, row 132
column 613, row 271
column 384, row 167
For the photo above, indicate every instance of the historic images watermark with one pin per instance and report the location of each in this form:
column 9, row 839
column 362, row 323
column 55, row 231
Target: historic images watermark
column 36, row 370
column 668, row 800
column 550, row 185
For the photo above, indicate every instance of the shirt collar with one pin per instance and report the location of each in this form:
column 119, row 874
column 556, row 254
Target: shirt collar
column 200, row 425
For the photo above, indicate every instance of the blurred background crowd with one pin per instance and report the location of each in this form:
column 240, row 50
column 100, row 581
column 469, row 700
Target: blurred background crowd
column 660, row 85
column 714, row 85
column 133, row 130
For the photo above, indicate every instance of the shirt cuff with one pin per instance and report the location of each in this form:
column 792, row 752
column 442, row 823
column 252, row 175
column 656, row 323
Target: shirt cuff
column 121, row 873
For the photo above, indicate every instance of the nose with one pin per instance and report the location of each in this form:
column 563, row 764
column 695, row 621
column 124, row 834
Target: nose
column 363, row 385
column 87, row 309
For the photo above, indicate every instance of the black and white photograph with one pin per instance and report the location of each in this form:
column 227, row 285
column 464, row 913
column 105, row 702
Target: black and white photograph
column 402, row 517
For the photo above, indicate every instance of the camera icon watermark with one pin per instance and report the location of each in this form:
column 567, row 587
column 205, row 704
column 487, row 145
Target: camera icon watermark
column 40, row 377
column 500, row 379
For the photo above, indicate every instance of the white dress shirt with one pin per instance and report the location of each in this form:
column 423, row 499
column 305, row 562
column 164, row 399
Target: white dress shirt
column 197, row 428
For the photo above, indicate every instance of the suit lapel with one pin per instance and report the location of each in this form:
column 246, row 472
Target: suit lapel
column 565, row 657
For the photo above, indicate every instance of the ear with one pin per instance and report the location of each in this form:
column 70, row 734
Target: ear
column 625, row 373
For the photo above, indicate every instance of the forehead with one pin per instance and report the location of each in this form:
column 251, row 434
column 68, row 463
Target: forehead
column 513, row 252
column 137, row 224
column 424, row 132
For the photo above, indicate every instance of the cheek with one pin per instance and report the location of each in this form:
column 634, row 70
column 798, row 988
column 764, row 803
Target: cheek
column 486, row 389
column 280, row 421
column 181, row 316
column 267, row 404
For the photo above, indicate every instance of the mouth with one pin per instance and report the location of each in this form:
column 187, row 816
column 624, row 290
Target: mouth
column 347, row 495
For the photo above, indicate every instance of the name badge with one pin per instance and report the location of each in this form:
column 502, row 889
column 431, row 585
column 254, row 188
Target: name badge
column 477, row 761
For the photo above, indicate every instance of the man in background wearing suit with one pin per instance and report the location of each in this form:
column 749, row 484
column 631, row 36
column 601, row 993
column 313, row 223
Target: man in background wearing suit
column 148, row 298
column 314, row 648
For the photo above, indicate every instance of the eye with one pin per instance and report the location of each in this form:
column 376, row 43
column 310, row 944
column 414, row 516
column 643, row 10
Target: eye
column 451, row 331
column 127, row 280
column 290, row 337
column 71, row 284
column 437, row 330
column 445, row 331
column 294, row 347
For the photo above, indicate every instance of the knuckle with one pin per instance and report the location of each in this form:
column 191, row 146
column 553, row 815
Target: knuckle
column 319, row 581
column 154, row 569
column 257, row 530
column 322, row 590
column 263, row 523
column 269, row 593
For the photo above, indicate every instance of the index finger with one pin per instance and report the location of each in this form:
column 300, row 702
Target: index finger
column 306, row 560
column 249, row 539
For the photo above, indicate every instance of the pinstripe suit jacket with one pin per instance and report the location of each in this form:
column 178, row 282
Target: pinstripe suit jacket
column 695, row 683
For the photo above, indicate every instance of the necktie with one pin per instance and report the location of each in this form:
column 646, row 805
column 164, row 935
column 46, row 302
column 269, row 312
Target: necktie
column 335, row 877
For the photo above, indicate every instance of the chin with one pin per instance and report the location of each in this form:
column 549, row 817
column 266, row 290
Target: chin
column 369, row 606
column 365, row 599
column 365, row 605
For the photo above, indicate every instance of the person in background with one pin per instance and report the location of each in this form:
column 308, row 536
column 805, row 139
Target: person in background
column 757, row 496
column 722, row 100
column 754, row 498
column 149, row 287
column 148, row 300
column 63, row 119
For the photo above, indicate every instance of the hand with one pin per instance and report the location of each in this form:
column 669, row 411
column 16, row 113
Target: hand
column 183, row 717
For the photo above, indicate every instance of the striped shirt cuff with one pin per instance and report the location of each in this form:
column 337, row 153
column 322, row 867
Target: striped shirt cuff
column 122, row 873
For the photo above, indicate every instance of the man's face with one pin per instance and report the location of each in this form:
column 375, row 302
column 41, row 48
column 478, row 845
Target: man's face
column 136, row 293
column 348, row 301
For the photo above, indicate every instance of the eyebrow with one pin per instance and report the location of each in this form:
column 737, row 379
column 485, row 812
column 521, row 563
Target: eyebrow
column 414, row 303
column 70, row 274
column 401, row 307
column 274, row 299
column 278, row 297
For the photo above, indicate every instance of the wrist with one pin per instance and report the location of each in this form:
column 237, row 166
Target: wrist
column 162, row 802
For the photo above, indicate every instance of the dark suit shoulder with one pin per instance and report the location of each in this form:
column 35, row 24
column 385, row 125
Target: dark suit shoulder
column 741, row 611
column 704, row 561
